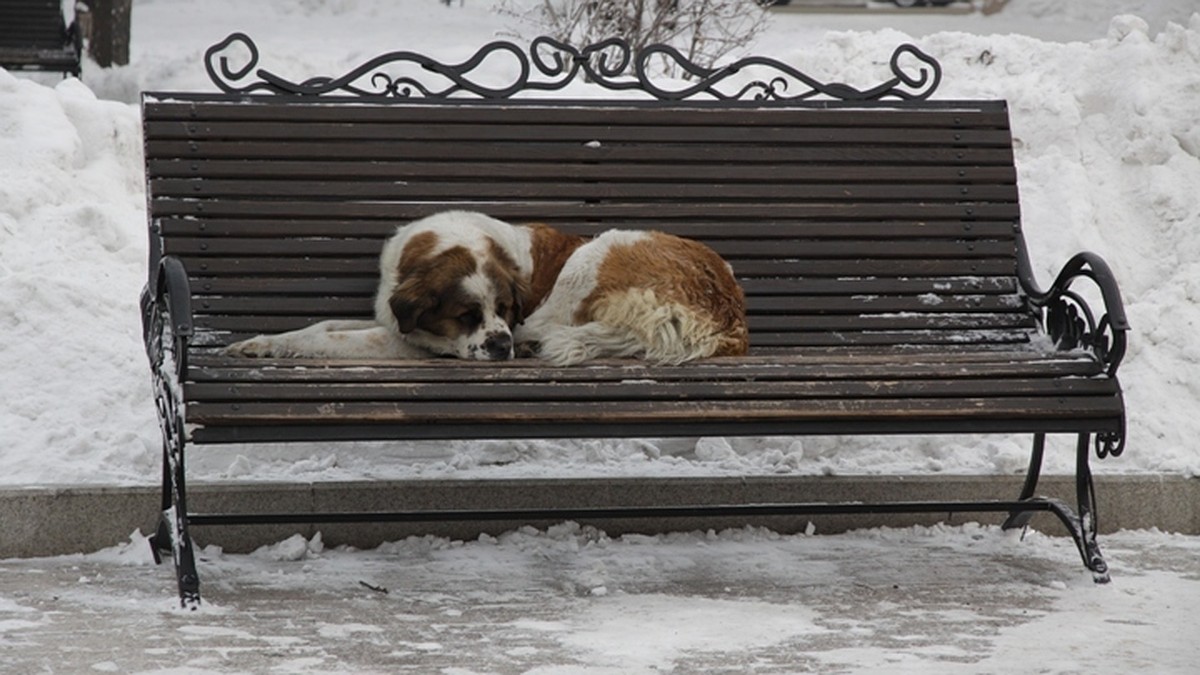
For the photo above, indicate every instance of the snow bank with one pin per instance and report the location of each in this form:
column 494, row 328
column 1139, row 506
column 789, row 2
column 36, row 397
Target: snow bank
column 72, row 258
column 1107, row 149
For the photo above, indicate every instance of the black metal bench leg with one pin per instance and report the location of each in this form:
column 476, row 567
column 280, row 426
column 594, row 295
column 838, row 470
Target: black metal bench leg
column 172, row 533
column 172, row 536
column 1020, row 519
column 1082, row 525
column 1085, row 491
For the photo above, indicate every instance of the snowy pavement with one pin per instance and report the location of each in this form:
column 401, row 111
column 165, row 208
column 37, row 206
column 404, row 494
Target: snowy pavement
column 963, row 599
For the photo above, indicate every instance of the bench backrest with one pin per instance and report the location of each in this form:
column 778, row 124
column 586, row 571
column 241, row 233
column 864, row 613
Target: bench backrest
column 871, row 225
column 33, row 34
column 31, row 24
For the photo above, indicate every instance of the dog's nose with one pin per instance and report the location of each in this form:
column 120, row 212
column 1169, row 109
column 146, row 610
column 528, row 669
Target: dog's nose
column 498, row 346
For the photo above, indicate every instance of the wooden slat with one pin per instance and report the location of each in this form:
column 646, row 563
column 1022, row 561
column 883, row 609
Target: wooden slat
column 587, row 133
column 515, row 187
column 366, row 285
column 536, row 151
column 986, row 338
column 535, row 209
column 598, row 413
column 771, row 249
column 640, row 171
column 799, row 391
column 702, row 228
column 807, row 268
column 811, row 335
column 799, row 322
column 961, row 114
column 798, row 365
column 334, row 305
column 863, row 361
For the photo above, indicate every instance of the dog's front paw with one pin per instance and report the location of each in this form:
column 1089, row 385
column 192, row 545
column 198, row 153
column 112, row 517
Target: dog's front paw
column 528, row 349
column 261, row 346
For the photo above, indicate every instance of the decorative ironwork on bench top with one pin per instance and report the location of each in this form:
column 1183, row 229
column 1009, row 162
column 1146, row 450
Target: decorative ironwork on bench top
column 550, row 65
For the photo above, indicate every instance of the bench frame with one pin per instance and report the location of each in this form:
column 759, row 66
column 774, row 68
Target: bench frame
column 549, row 65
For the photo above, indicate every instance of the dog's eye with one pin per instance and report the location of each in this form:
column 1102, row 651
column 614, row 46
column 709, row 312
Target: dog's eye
column 502, row 309
column 470, row 318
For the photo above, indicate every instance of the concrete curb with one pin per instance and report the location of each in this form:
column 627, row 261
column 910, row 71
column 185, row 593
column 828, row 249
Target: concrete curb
column 61, row 520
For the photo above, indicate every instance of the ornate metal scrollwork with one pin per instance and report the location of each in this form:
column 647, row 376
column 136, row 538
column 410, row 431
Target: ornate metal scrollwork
column 163, row 349
column 551, row 65
column 1071, row 324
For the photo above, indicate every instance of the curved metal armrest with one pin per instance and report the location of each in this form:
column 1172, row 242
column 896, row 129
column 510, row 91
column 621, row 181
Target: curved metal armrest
column 1068, row 318
column 173, row 282
column 167, row 298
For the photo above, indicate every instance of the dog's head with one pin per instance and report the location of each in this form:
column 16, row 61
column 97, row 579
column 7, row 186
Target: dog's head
column 457, row 300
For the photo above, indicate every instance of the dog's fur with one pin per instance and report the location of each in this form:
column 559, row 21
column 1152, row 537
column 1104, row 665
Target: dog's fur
column 465, row 285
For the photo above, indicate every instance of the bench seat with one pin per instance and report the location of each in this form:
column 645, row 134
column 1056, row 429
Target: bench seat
column 805, row 391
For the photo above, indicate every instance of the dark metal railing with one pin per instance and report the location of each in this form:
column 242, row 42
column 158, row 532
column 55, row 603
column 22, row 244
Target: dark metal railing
column 548, row 65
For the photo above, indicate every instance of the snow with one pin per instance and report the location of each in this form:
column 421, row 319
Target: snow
column 1103, row 97
column 571, row 599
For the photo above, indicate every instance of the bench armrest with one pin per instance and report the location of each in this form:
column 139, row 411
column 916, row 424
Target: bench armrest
column 1067, row 317
column 166, row 305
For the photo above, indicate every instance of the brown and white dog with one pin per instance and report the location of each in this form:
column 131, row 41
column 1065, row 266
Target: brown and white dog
column 466, row 285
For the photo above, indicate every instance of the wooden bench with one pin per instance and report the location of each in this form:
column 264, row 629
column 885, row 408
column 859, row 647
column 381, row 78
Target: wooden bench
column 34, row 36
column 877, row 235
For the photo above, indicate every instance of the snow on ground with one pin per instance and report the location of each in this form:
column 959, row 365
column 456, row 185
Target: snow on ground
column 573, row 600
column 1108, row 153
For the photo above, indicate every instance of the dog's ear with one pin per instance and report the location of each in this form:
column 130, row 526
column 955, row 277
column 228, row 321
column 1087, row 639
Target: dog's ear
column 520, row 292
column 408, row 307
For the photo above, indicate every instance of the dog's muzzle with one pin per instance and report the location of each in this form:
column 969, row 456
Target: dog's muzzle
column 498, row 346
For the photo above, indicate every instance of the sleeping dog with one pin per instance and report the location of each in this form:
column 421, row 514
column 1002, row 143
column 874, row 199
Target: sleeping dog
column 465, row 285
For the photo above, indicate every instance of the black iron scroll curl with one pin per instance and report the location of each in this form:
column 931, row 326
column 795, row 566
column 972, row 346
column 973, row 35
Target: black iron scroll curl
column 552, row 65
column 1071, row 324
